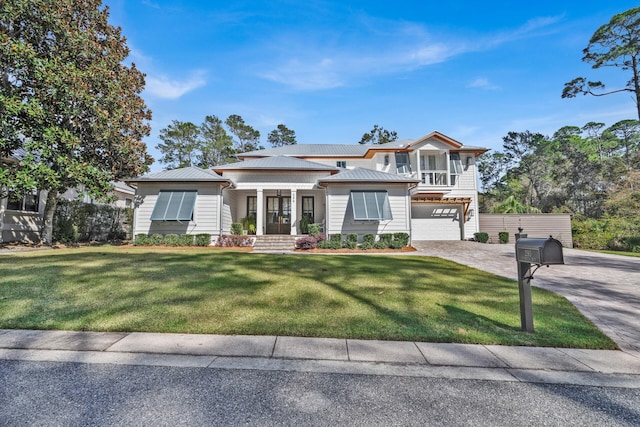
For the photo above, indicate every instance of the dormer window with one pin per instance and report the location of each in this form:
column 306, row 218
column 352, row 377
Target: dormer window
column 341, row 164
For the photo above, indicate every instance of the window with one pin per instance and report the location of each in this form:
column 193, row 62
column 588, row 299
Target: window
column 341, row 164
column 29, row 201
column 252, row 206
column 455, row 167
column 402, row 163
column 370, row 206
column 174, row 206
column 307, row 208
column 455, row 164
column 128, row 203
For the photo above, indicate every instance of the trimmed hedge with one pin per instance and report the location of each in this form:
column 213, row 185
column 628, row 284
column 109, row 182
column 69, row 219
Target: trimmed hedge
column 503, row 237
column 227, row 241
column 203, row 239
column 481, row 237
column 352, row 241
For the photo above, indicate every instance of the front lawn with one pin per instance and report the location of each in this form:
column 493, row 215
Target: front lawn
column 225, row 292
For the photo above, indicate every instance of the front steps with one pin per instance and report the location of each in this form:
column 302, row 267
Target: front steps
column 274, row 243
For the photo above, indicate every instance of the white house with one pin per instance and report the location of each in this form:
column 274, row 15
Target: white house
column 425, row 187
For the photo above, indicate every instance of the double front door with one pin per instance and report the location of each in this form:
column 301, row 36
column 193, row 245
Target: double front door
column 278, row 215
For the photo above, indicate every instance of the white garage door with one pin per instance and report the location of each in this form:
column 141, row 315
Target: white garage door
column 436, row 222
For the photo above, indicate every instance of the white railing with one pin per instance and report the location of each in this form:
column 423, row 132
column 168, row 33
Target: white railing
column 435, row 178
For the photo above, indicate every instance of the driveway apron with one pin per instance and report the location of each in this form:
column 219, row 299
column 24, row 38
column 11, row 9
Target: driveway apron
column 605, row 288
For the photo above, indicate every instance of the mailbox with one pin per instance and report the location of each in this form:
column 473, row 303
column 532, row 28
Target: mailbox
column 539, row 251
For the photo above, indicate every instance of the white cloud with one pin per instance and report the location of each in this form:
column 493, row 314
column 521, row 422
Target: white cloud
column 166, row 88
column 483, row 83
column 305, row 63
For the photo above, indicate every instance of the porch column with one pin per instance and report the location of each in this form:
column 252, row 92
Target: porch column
column 259, row 213
column 294, row 213
column 448, row 162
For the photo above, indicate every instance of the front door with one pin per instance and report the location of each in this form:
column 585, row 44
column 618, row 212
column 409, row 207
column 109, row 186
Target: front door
column 278, row 215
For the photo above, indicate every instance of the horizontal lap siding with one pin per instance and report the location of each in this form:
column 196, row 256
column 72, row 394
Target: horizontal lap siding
column 340, row 218
column 534, row 225
column 205, row 212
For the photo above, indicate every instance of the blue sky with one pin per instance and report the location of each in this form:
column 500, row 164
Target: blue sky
column 331, row 70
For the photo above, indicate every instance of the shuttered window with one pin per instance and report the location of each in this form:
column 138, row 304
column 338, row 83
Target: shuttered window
column 371, row 206
column 174, row 206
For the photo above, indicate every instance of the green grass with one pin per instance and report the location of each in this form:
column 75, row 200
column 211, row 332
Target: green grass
column 226, row 292
column 631, row 254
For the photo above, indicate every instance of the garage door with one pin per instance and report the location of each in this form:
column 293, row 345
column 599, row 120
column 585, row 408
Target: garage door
column 436, row 222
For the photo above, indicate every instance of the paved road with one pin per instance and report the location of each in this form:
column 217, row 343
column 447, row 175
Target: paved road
column 605, row 288
column 44, row 393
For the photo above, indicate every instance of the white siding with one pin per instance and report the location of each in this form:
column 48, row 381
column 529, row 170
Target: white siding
column 340, row 217
column 205, row 213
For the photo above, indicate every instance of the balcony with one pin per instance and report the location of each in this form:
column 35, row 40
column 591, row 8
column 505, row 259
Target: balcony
column 435, row 178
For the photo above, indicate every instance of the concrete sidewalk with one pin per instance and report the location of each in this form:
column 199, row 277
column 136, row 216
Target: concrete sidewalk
column 605, row 368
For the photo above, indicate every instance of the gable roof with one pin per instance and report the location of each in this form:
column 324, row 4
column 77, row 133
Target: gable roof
column 276, row 163
column 368, row 175
column 190, row 173
column 357, row 150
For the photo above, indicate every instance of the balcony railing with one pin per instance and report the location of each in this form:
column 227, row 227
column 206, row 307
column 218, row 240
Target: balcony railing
column 435, row 178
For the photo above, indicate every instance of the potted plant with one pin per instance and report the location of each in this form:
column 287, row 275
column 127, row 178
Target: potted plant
column 249, row 224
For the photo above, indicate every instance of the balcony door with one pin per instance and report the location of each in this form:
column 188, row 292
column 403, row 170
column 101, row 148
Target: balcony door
column 278, row 215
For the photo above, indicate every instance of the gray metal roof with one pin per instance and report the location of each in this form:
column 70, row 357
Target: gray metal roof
column 329, row 150
column 276, row 163
column 191, row 173
column 121, row 186
column 367, row 175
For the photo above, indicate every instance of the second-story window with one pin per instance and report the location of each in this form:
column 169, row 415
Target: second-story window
column 341, row 164
column 402, row 163
column 455, row 167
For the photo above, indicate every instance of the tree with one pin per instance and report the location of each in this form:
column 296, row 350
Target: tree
column 616, row 44
column 378, row 135
column 68, row 100
column 282, row 135
column 247, row 137
column 180, row 144
column 216, row 146
column 627, row 135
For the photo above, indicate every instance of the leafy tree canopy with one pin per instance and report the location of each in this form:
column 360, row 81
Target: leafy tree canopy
column 68, row 99
column 378, row 135
column 281, row 136
column 616, row 44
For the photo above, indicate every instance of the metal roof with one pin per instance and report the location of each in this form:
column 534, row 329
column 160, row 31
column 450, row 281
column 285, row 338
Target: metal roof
column 190, row 173
column 276, row 163
column 318, row 150
column 367, row 175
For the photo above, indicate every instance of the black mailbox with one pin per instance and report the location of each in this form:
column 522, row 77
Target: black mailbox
column 539, row 251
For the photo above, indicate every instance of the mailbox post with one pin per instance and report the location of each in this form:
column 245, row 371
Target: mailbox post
column 537, row 252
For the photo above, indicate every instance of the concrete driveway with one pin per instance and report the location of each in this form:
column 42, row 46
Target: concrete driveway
column 605, row 288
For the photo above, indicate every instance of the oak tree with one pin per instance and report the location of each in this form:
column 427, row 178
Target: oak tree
column 68, row 100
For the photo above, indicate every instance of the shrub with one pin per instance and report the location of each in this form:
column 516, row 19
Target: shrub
column 236, row 228
column 386, row 237
column 308, row 242
column 382, row 244
column 156, row 240
column 335, row 241
column 172, row 240
column 503, row 237
column 400, row 240
column 481, row 237
column 352, row 241
column 75, row 221
column 142, row 240
column 186, row 240
column 304, row 224
column 368, row 240
column 203, row 239
column 313, row 229
column 227, row 241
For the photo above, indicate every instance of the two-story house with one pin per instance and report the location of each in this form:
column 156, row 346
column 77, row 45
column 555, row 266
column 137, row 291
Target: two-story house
column 425, row 187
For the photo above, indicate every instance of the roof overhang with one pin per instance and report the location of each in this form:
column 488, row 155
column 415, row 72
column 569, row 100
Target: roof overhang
column 436, row 198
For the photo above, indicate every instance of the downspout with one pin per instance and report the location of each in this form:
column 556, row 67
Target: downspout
column 221, row 206
column 409, row 188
